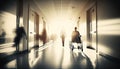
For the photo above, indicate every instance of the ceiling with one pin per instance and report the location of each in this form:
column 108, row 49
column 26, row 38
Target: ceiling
column 65, row 9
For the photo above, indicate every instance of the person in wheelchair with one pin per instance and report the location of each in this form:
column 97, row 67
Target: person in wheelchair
column 76, row 40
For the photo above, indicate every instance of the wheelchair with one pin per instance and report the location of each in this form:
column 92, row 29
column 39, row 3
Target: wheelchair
column 76, row 44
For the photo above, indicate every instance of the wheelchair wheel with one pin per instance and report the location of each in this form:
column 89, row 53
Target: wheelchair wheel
column 72, row 48
column 78, row 47
column 82, row 49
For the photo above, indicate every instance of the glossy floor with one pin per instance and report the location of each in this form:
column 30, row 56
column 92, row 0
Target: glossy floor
column 54, row 56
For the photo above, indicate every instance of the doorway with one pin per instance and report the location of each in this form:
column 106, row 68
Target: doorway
column 91, row 27
column 33, row 28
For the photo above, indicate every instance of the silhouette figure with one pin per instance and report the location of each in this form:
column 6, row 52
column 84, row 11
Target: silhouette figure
column 2, row 36
column 63, row 38
column 43, row 36
column 76, row 37
column 78, row 22
column 44, row 32
column 20, row 33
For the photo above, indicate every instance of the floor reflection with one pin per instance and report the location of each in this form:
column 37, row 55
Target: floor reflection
column 59, row 57
column 49, row 56
column 22, row 62
column 81, row 61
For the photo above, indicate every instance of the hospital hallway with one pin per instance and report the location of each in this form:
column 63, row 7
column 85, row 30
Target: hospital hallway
column 59, row 34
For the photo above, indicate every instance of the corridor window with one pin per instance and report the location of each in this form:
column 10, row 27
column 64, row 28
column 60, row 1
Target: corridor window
column 7, row 27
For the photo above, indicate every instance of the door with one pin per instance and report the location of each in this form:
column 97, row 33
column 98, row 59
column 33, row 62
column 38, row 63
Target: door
column 36, row 28
column 33, row 28
column 91, row 27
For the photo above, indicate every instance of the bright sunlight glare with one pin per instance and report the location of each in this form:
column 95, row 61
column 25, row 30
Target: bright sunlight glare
column 62, row 23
